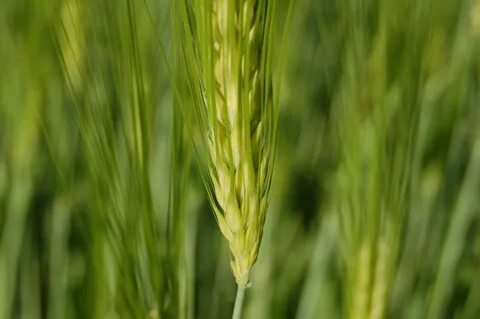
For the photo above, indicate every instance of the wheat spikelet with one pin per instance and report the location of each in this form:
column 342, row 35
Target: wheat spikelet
column 237, row 119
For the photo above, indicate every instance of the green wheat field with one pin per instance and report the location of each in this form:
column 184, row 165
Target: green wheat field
column 247, row 159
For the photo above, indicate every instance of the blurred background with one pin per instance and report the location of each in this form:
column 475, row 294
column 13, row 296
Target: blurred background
column 375, row 207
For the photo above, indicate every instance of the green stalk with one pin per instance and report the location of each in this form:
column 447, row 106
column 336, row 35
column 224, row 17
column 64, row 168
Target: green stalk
column 237, row 308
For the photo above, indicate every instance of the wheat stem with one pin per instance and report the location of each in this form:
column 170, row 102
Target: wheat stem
column 237, row 308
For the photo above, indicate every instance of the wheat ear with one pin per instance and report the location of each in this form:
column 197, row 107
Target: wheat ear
column 235, row 112
column 241, row 130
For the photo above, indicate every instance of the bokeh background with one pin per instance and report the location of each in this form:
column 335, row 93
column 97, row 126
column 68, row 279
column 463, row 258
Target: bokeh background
column 375, row 211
